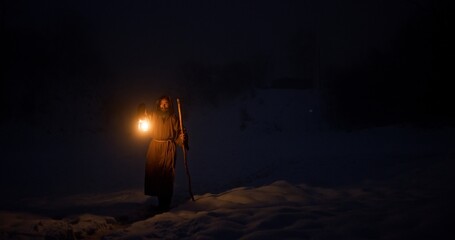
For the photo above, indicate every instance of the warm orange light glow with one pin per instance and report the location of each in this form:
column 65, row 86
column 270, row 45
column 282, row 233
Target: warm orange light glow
column 144, row 125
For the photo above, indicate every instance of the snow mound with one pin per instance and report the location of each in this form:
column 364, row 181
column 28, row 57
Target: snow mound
column 285, row 211
column 279, row 210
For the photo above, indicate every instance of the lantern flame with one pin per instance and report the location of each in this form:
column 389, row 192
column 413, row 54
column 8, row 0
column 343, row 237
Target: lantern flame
column 143, row 125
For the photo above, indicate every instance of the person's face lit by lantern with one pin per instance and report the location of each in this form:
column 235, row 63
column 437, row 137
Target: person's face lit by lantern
column 164, row 105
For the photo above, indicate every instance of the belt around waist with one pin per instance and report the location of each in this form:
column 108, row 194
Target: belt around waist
column 162, row 140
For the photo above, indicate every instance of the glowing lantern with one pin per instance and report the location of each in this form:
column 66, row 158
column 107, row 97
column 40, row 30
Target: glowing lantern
column 144, row 125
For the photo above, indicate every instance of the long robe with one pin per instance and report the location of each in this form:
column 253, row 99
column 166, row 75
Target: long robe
column 161, row 155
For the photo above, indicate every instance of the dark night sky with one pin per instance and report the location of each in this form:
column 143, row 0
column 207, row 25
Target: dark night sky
column 112, row 49
column 148, row 33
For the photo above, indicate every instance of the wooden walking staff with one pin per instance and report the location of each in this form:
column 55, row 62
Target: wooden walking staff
column 184, row 152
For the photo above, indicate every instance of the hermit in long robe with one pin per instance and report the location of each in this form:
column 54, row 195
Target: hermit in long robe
column 161, row 154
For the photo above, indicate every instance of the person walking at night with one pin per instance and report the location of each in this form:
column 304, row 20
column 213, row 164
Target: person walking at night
column 165, row 135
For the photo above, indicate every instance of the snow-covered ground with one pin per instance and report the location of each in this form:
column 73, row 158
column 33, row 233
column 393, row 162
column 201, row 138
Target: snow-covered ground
column 264, row 167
